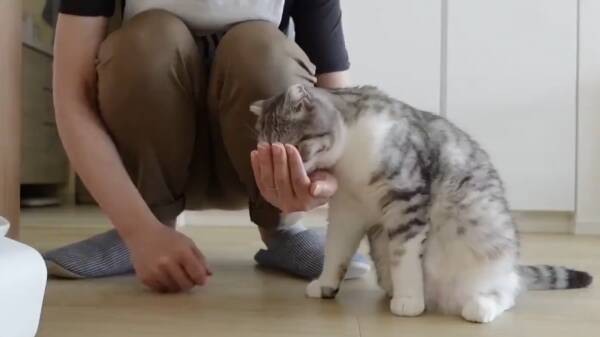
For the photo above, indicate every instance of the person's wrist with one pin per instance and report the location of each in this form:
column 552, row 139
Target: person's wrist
column 132, row 231
column 290, row 218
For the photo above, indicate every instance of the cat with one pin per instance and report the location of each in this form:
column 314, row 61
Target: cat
column 424, row 193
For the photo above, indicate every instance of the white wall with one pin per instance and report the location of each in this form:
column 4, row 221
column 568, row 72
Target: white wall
column 396, row 45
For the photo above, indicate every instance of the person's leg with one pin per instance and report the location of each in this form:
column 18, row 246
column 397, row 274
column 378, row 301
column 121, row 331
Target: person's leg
column 151, row 91
column 254, row 61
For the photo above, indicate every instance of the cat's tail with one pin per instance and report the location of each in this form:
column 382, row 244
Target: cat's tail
column 541, row 277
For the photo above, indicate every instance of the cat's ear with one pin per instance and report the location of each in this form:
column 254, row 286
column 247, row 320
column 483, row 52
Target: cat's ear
column 257, row 108
column 297, row 93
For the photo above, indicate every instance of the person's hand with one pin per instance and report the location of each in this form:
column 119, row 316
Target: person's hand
column 283, row 182
column 167, row 261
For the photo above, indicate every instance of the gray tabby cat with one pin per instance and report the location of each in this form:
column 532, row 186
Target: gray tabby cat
column 425, row 194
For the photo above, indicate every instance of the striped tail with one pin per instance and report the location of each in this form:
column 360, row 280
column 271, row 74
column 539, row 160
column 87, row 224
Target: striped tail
column 541, row 277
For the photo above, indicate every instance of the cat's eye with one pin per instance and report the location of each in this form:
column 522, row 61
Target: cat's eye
column 313, row 136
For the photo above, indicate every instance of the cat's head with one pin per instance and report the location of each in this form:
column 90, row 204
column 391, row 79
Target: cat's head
column 305, row 117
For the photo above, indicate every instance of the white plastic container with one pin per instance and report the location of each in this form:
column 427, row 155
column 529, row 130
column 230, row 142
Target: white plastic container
column 22, row 285
column 4, row 226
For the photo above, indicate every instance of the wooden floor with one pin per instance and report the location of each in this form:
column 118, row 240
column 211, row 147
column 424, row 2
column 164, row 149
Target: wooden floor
column 242, row 300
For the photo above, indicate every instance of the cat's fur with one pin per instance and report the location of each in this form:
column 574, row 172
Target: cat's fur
column 425, row 194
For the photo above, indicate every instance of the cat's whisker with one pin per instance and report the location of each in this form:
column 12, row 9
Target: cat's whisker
column 254, row 133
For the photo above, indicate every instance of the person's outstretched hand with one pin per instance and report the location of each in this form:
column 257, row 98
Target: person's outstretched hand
column 283, row 182
column 167, row 261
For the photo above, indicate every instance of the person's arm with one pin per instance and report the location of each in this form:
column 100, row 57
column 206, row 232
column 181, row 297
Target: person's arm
column 319, row 32
column 90, row 149
column 95, row 158
column 334, row 80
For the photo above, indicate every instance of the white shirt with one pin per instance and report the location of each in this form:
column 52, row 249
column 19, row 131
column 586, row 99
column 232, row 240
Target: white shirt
column 208, row 16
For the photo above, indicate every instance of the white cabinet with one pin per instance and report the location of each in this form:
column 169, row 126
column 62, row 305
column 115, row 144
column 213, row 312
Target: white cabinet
column 396, row 45
column 511, row 83
column 503, row 70
column 588, row 132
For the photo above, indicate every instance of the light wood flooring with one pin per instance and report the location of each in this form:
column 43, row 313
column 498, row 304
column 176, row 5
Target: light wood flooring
column 242, row 300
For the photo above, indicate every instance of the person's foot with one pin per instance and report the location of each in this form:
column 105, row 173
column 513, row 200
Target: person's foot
column 99, row 256
column 301, row 253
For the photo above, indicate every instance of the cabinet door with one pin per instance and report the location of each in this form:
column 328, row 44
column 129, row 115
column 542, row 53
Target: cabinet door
column 511, row 83
column 395, row 45
column 588, row 159
column 43, row 157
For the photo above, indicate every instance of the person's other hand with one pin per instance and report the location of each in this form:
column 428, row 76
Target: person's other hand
column 283, row 182
column 167, row 261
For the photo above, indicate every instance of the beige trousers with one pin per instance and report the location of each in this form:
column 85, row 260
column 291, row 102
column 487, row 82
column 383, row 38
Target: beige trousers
column 181, row 121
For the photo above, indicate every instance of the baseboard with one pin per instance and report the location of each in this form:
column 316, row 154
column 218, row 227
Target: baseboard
column 240, row 218
column 527, row 221
column 587, row 228
column 544, row 221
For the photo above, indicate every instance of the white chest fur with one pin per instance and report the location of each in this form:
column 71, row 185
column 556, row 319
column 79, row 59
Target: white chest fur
column 361, row 157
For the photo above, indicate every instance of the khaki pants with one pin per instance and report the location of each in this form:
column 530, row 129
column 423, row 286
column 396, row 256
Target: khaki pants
column 181, row 124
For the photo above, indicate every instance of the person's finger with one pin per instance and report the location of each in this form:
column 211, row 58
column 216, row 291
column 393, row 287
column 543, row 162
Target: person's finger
column 154, row 284
column 319, row 175
column 195, row 268
column 281, row 172
column 255, row 165
column 179, row 276
column 300, row 181
column 199, row 254
column 167, row 283
column 318, row 202
column 266, row 168
column 323, row 185
column 255, row 161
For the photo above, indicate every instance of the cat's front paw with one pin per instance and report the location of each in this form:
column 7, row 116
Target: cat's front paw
column 407, row 305
column 313, row 289
column 480, row 310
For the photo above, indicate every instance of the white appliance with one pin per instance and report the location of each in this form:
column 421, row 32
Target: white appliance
column 23, row 277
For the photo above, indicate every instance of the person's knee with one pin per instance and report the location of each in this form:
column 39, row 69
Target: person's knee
column 258, row 54
column 253, row 36
column 149, row 41
column 137, row 62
